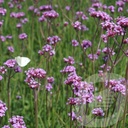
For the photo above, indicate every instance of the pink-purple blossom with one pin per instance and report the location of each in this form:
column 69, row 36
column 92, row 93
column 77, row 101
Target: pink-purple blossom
column 3, row 108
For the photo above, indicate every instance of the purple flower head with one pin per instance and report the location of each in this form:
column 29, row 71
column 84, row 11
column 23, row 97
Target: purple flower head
column 101, row 15
column 104, row 38
column 125, row 41
column 17, row 69
column 50, row 14
column 31, row 8
column 3, row 70
column 66, row 23
column 1, row 77
column 81, row 15
column 19, row 25
column 19, row 15
column 6, row 126
column 33, row 76
column 17, row 122
column 42, row 18
column 52, row 52
column 23, row 36
column 122, row 21
column 74, row 117
column 19, row 6
column 46, row 48
column 86, row 44
column 77, row 25
column 24, row 21
column 120, row 3
column 10, row 4
column 3, row 11
column 45, row 8
column 10, row 48
column 48, row 87
column 111, row 8
column 1, row 1
column 2, row 38
column 3, row 108
column 93, row 56
column 98, row 112
column 97, row 5
column 69, row 60
column 8, row 37
column 109, row 51
column 50, row 79
column 68, row 8
column 1, row 23
column 68, row 69
column 53, row 40
column 10, row 63
column 120, row 9
column 75, row 43
column 99, row 98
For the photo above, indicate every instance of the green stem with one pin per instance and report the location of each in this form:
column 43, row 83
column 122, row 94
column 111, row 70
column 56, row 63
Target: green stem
column 36, row 107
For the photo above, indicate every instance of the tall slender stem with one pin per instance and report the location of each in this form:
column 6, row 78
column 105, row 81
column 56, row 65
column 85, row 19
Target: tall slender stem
column 36, row 107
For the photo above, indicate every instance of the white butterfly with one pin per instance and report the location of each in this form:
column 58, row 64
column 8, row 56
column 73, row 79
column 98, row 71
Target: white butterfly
column 22, row 61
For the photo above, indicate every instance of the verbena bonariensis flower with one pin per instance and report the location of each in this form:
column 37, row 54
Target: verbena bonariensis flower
column 104, row 66
column 99, row 98
column 3, row 11
column 98, row 112
column 97, row 5
column 66, row 23
column 23, row 36
column 111, row 8
column 93, row 56
column 116, row 85
column 2, row 38
column 53, row 40
column 125, row 41
column 42, row 18
column 123, row 22
column 81, row 15
column 75, row 43
column 31, row 8
column 48, row 87
column 17, row 15
column 3, row 70
column 45, row 8
column 68, row 8
column 101, row 15
column 72, row 78
column 86, row 44
column 50, row 79
column 69, row 60
column 68, row 69
column 11, row 63
column 6, row 126
column 50, row 14
column 74, row 116
column 109, row 51
column 34, row 75
column 1, row 23
column 3, row 108
column 17, row 122
column 1, row 1
column 77, row 25
column 10, row 48
column 120, row 3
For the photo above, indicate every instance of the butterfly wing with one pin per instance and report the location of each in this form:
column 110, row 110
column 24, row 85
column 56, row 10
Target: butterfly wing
column 22, row 61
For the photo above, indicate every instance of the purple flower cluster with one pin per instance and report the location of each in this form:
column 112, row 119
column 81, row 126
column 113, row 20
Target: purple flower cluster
column 47, row 50
column 3, row 11
column 10, row 49
column 11, row 63
column 17, row 15
column 79, row 26
column 50, row 81
column 116, row 85
column 68, row 69
column 34, row 76
column 101, row 15
column 86, row 44
column 98, row 112
column 53, row 40
column 45, row 8
column 52, row 14
column 17, row 122
column 3, row 108
column 75, row 43
column 69, row 60
column 23, row 36
column 81, row 15
column 6, row 126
